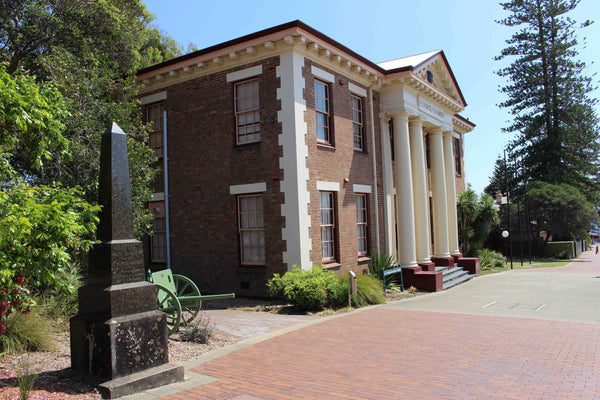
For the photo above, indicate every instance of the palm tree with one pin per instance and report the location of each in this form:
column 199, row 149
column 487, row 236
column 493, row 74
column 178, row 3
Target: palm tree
column 476, row 217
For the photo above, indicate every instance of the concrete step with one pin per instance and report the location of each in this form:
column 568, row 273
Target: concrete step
column 453, row 273
column 438, row 269
column 458, row 280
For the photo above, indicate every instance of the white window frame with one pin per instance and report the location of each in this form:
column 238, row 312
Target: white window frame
column 328, row 140
column 327, row 227
column 253, row 111
column 358, row 124
column 257, row 229
column 362, row 225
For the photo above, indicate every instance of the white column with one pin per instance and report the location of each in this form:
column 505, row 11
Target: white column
column 438, row 183
column 419, row 180
column 388, row 188
column 451, row 193
column 404, row 192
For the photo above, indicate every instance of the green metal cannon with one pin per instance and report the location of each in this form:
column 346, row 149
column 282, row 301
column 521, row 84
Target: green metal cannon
column 179, row 298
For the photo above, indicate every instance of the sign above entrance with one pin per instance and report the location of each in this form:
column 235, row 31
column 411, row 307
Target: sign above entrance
column 431, row 109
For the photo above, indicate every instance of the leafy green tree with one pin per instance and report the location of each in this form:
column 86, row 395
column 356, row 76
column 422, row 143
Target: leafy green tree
column 90, row 50
column 549, row 97
column 41, row 228
column 30, row 122
column 560, row 210
column 476, row 217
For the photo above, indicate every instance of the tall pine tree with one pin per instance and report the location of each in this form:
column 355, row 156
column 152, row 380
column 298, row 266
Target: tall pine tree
column 553, row 116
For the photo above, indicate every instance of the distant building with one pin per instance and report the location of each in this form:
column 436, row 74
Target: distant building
column 286, row 148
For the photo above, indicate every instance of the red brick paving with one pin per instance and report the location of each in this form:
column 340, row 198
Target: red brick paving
column 381, row 353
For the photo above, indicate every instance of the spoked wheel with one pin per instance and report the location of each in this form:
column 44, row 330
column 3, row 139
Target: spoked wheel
column 167, row 302
column 188, row 294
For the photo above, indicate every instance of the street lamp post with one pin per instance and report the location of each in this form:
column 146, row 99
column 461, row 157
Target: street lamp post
column 505, row 235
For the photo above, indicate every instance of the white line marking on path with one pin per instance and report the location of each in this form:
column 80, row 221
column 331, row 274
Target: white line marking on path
column 489, row 304
column 540, row 307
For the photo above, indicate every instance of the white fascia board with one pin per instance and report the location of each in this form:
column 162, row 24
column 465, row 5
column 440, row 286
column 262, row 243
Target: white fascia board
column 357, row 90
column 153, row 98
column 248, row 188
column 244, row 73
column 319, row 73
column 361, row 188
column 328, row 186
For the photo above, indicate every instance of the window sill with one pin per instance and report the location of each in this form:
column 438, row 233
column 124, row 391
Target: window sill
column 332, row 265
column 326, row 146
column 363, row 259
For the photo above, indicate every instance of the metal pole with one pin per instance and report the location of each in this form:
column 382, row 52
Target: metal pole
column 519, row 216
column 508, row 208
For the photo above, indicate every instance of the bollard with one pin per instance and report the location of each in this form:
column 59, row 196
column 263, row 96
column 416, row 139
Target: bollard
column 351, row 287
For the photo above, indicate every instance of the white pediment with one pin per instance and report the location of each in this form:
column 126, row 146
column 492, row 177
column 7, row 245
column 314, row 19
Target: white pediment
column 434, row 62
column 442, row 76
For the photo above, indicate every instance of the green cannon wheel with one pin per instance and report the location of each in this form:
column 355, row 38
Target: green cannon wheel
column 187, row 292
column 167, row 302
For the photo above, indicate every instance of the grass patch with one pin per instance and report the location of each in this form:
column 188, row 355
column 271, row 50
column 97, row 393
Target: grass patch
column 535, row 263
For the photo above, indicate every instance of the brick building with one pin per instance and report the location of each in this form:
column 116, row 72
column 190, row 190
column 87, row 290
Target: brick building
column 285, row 148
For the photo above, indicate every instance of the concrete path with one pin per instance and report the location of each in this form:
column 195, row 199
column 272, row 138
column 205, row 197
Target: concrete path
column 517, row 335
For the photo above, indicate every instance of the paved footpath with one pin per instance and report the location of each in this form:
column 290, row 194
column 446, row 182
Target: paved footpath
column 486, row 339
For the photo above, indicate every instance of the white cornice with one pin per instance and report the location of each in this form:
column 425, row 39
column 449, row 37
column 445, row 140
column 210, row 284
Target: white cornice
column 256, row 50
column 460, row 126
column 433, row 94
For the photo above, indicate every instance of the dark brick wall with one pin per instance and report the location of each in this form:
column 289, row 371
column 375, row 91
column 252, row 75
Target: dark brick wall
column 335, row 163
column 204, row 161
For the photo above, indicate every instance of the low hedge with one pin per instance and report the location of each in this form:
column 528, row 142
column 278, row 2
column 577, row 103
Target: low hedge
column 317, row 289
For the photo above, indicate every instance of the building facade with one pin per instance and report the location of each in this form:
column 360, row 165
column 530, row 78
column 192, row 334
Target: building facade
column 286, row 148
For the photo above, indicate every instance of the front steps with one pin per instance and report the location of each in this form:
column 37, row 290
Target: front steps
column 454, row 276
column 441, row 274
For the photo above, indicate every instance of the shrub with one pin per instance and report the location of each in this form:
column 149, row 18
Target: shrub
column 368, row 291
column 41, row 230
column 199, row 331
column 489, row 259
column 61, row 303
column 317, row 289
column 27, row 332
column 308, row 290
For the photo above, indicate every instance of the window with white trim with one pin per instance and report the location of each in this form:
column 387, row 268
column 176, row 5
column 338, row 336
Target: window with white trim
column 247, row 113
column 327, row 210
column 457, row 160
column 322, row 108
column 158, row 240
column 357, row 123
column 361, row 223
column 251, row 229
column 154, row 117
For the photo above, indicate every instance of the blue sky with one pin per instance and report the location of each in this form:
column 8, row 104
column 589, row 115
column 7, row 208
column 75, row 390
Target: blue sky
column 382, row 30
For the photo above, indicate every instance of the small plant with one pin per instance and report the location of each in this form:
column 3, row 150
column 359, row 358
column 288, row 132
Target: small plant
column 25, row 378
column 27, row 332
column 412, row 290
column 381, row 262
column 489, row 259
column 368, row 291
column 199, row 331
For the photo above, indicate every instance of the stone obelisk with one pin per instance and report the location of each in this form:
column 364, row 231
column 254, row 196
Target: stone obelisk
column 118, row 335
